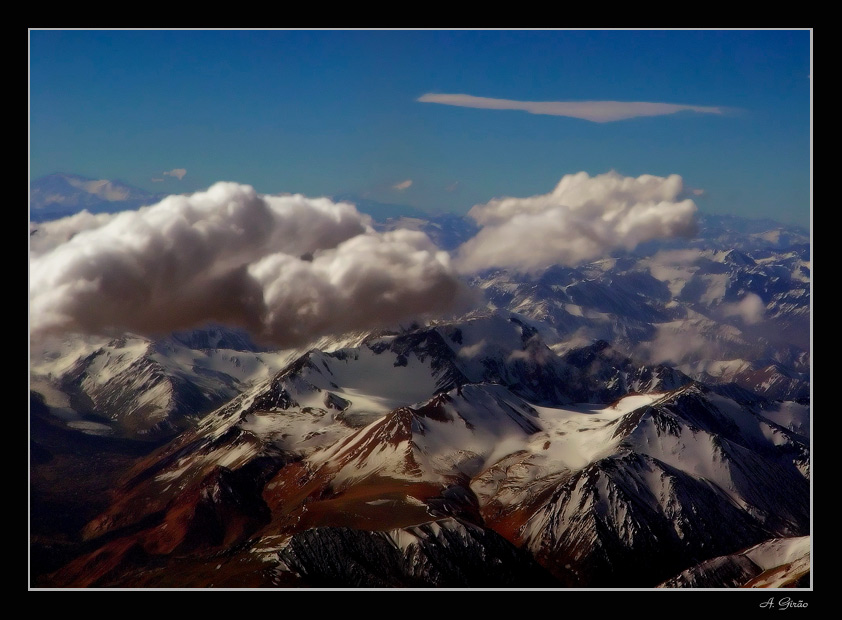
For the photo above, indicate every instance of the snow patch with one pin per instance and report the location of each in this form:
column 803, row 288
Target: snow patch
column 779, row 551
column 91, row 428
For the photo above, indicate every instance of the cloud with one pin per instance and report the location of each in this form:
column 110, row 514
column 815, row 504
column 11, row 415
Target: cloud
column 581, row 219
column 402, row 185
column 596, row 111
column 750, row 309
column 452, row 187
column 179, row 173
column 365, row 282
column 288, row 268
column 156, row 180
column 46, row 236
column 679, row 345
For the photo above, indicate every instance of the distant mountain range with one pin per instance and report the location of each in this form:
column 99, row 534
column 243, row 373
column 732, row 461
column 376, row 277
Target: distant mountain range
column 59, row 195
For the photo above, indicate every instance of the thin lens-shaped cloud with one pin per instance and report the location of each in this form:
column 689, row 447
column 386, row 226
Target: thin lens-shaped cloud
column 595, row 111
column 178, row 173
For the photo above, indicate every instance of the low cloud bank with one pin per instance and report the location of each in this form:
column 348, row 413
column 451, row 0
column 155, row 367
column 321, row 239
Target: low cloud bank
column 291, row 268
column 288, row 268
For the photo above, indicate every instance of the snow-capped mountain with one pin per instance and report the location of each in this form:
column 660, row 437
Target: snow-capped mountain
column 404, row 430
column 682, row 466
column 138, row 388
column 59, row 195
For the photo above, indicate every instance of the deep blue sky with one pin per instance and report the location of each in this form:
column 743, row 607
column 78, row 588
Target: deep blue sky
column 327, row 112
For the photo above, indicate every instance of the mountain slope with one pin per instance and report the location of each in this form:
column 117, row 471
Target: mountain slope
column 406, row 428
column 685, row 466
column 134, row 387
column 447, row 553
column 776, row 563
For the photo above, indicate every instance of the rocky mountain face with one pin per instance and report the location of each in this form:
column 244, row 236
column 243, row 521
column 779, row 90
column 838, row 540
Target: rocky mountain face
column 686, row 463
column 448, row 553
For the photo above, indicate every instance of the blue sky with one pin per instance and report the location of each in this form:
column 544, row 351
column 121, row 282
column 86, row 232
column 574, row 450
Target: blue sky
column 328, row 112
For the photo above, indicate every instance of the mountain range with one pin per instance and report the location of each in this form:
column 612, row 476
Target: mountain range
column 628, row 423
column 59, row 195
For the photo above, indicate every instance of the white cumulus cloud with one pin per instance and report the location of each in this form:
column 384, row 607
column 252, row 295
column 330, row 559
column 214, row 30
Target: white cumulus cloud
column 583, row 218
column 365, row 282
column 402, row 185
column 286, row 267
column 595, row 111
